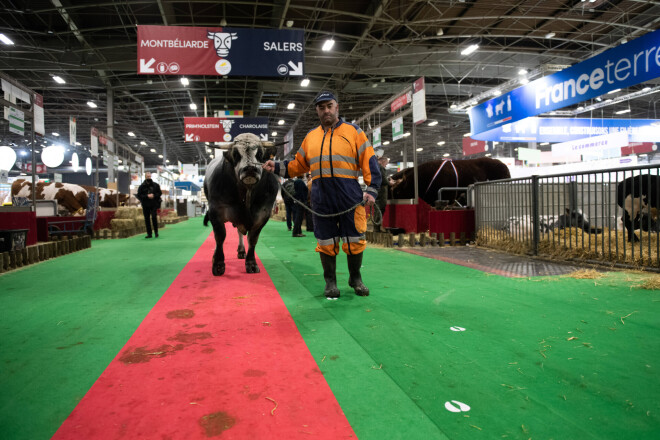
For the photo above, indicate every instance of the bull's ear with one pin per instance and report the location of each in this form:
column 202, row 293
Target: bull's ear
column 270, row 150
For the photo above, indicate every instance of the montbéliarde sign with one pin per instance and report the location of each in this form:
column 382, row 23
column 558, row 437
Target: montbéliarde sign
column 180, row 50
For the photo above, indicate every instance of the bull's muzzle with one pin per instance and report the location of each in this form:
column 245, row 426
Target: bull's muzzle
column 250, row 175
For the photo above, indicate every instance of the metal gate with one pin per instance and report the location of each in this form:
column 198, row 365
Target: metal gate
column 574, row 216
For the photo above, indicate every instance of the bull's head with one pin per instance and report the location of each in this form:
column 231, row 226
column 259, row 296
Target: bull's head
column 246, row 154
column 221, row 41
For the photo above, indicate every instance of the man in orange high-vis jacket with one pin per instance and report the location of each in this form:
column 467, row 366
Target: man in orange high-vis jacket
column 336, row 152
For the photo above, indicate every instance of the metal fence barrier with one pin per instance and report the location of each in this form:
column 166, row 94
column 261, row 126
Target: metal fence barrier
column 575, row 216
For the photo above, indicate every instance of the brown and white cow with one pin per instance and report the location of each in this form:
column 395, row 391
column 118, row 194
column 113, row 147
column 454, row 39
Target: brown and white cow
column 69, row 196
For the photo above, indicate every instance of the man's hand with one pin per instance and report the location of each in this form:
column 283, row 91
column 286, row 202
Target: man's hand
column 151, row 196
column 368, row 199
column 269, row 165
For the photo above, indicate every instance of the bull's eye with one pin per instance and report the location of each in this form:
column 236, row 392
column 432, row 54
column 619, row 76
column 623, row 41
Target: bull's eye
column 259, row 155
column 236, row 156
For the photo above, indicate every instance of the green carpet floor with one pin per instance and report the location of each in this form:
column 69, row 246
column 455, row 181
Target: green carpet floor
column 64, row 320
column 541, row 358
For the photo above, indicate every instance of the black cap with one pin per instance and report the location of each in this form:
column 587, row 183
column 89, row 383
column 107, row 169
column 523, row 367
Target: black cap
column 324, row 96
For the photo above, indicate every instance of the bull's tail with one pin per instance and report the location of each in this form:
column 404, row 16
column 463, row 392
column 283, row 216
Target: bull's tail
column 206, row 219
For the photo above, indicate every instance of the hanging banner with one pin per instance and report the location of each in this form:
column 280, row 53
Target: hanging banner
column 376, row 137
column 402, row 100
column 473, row 146
column 288, row 142
column 397, row 128
column 223, row 130
column 94, row 142
column 626, row 65
column 72, row 130
column 419, row 101
column 38, row 110
column 536, row 129
column 594, row 146
column 228, row 113
column 16, row 121
column 180, row 50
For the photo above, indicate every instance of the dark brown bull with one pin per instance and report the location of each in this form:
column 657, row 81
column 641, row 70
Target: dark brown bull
column 438, row 174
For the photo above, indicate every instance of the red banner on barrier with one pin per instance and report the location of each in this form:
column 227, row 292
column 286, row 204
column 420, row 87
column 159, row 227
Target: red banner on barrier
column 638, row 148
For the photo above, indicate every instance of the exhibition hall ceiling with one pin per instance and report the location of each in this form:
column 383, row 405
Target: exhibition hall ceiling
column 381, row 47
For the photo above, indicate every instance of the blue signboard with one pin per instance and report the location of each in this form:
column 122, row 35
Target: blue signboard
column 632, row 63
column 569, row 129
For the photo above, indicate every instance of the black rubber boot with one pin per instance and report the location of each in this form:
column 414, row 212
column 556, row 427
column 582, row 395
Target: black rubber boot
column 355, row 279
column 330, row 275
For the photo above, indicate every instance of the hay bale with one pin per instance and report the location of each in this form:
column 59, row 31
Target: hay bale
column 653, row 283
column 122, row 224
column 128, row 212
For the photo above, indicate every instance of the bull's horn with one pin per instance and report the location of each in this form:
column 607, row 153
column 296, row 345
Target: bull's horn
column 267, row 144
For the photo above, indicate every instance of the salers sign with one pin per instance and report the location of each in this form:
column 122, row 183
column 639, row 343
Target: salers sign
column 179, row 50
column 632, row 63
column 223, row 130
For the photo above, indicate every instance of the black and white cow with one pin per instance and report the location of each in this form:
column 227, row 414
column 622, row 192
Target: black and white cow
column 239, row 192
column 639, row 196
column 524, row 226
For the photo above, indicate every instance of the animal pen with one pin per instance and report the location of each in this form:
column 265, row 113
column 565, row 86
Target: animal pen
column 572, row 217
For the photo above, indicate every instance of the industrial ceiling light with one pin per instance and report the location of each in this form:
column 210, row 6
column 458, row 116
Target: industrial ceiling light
column 433, row 123
column 58, row 79
column 291, row 105
column 304, row 82
column 613, row 91
column 223, row 22
column 160, row 156
column 524, row 81
column 193, row 106
column 131, row 134
column 289, row 23
column 522, row 72
column 445, row 155
column 75, row 163
column 55, row 134
column 88, row 166
column 153, row 150
column 280, row 122
column 328, row 45
column 420, row 149
column 185, row 81
column 620, row 112
column 7, row 158
column 386, row 143
column 550, row 35
column 406, row 134
column 441, row 143
column 143, row 143
column 6, row 40
column 92, row 104
column 274, row 134
column 467, row 135
column 468, row 50
column 52, row 156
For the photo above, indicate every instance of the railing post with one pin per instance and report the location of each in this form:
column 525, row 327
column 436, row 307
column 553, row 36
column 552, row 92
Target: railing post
column 535, row 215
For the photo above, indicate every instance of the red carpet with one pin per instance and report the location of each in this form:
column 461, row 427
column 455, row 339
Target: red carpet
column 216, row 357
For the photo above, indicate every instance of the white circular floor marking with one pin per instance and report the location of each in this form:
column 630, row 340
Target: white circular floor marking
column 456, row 406
column 457, row 329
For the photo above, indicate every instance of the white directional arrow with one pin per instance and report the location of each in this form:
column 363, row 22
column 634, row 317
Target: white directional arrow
column 296, row 69
column 190, row 137
column 146, row 67
column 264, row 137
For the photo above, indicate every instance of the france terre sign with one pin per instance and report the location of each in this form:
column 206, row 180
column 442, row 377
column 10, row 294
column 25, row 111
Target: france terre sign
column 223, row 130
column 181, row 50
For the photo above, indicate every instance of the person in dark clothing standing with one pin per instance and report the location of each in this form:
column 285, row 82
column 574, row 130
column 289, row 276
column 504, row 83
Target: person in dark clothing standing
column 149, row 195
column 289, row 204
column 300, row 193
column 381, row 200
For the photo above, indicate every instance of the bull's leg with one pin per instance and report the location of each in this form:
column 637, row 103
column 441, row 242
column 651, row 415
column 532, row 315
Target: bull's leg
column 220, row 233
column 629, row 227
column 241, row 247
column 250, row 260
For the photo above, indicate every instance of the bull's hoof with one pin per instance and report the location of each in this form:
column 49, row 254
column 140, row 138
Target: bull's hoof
column 251, row 267
column 241, row 255
column 218, row 269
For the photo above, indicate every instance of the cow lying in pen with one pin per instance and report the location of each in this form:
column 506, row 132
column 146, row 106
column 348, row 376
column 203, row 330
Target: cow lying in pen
column 639, row 196
column 239, row 192
column 524, row 226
